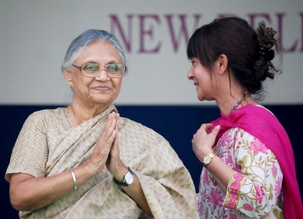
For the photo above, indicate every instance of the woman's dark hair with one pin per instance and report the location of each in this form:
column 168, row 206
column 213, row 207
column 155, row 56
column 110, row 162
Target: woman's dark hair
column 249, row 52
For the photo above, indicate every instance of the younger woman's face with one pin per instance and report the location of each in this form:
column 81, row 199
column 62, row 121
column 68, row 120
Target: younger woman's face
column 202, row 79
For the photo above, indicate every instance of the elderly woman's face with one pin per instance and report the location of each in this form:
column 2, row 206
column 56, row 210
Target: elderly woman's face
column 102, row 89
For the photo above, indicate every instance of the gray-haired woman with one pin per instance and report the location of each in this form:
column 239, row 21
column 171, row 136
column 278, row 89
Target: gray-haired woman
column 85, row 161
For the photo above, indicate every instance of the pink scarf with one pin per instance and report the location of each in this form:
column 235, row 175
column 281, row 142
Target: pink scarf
column 262, row 124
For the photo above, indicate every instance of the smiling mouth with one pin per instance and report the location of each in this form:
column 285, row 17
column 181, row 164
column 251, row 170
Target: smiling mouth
column 101, row 88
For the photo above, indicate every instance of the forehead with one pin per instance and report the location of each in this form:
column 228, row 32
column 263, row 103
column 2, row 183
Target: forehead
column 100, row 51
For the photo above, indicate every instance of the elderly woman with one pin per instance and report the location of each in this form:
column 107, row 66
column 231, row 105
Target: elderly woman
column 84, row 161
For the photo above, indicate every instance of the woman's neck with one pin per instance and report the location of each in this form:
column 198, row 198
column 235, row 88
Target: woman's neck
column 229, row 105
column 82, row 113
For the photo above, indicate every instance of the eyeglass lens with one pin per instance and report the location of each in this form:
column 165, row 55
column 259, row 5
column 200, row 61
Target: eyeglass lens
column 93, row 69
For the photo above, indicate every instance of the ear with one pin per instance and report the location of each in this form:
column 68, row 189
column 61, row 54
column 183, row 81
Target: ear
column 68, row 76
column 222, row 63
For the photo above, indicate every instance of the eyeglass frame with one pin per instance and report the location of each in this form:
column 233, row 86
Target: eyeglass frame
column 105, row 69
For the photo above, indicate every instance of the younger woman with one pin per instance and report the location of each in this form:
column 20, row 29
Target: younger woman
column 249, row 163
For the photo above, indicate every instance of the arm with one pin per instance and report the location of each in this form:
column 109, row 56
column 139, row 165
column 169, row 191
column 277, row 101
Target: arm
column 118, row 169
column 29, row 192
column 165, row 182
column 136, row 193
column 257, row 180
column 202, row 144
column 248, row 180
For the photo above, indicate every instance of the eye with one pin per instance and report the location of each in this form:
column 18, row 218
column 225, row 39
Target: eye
column 91, row 67
column 113, row 68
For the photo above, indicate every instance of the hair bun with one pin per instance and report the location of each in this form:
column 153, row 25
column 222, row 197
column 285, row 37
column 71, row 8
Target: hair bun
column 266, row 54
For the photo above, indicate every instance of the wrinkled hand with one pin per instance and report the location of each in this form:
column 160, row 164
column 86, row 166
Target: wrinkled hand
column 203, row 142
column 103, row 146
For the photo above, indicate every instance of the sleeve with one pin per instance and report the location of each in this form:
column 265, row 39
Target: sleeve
column 256, row 183
column 30, row 151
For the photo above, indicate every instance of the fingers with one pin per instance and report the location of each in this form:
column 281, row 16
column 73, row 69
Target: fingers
column 114, row 156
column 110, row 129
column 203, row 130
column 206, row 126
column 216, row 130
column 113, row 137
column 204, row 139
column 117, row 117
column 105, row 145
column 114, row 151
column 114, row 163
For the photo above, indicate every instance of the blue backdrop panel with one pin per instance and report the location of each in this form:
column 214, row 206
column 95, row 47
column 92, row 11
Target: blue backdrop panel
column 176, row 123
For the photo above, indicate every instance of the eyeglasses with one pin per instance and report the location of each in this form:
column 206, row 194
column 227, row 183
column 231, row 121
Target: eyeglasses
column 92, row 70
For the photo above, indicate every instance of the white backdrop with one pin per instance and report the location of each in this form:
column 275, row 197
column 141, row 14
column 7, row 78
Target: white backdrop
column 35, row 35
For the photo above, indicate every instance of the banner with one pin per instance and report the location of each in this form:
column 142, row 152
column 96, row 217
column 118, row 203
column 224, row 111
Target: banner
column 154, row 34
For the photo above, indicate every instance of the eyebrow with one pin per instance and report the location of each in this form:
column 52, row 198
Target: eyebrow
column 95, row 62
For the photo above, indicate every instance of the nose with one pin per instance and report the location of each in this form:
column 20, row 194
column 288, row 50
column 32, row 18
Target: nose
column 190, row 75
column 102, row 75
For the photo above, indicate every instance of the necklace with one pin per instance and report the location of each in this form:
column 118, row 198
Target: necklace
column 235, row 106
column 238, row 103
column 78, row 121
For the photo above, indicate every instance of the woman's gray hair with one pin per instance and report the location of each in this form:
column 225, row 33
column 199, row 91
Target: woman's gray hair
column 83, row 40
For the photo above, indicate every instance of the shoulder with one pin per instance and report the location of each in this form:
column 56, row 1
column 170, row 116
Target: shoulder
column 48, row 116
column 131, row 124
column 258, row 121
column 244, row 141
column 234, row 136
column 257, row 113
column 145, row 139
column 239, row 135
column 141, row 131
column 49, row 113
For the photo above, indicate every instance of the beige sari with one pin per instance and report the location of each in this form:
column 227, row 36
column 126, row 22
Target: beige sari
column 165, row 181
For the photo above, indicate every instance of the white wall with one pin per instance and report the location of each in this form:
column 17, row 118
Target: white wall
column 35, row 35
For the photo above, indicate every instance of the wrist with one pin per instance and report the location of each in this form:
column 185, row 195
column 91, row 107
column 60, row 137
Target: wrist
column 120, row 173
column 206, row 160
column 127, row 180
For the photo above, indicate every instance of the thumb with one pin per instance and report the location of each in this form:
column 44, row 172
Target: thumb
column 216, row 130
